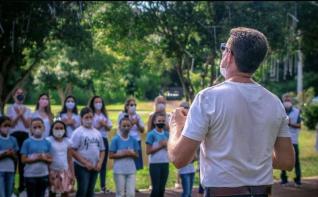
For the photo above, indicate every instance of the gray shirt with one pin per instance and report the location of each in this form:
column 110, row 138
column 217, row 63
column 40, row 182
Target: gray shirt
column 88, row 142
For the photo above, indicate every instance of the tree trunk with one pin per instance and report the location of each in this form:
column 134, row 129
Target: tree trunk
column 185, row 81
column 212, row 63
column 61, row 94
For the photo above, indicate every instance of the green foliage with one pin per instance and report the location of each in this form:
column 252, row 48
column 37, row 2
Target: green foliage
column 310, row 115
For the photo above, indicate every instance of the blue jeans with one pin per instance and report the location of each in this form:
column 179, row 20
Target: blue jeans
column 36, row 186
column 138, row 161
column 6, row 184
column 159, row 175
column 187, row 184
column 102, row 174
column 86, row 181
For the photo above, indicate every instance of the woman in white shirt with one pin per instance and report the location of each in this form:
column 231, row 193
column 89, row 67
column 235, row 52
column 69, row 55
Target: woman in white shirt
column 43, row 111
column 69, row 115
column 102, row 123
column 21, row 118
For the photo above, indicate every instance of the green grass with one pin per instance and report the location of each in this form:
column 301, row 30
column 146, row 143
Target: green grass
column 308, row 156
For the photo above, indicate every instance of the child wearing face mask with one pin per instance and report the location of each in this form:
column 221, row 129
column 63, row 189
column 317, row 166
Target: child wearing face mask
column 136, row 129
column 103, row 124
column 69, row 115
column 156, row 148
column 36, row 156
column 160, row 107
column 61, row 175
column 43, row 111
column 124, row 149
column 89, row 151
column 8, row 154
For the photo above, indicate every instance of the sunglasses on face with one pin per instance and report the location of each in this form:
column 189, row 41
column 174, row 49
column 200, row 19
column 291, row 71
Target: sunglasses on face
column 132, row 105
column 223, row 48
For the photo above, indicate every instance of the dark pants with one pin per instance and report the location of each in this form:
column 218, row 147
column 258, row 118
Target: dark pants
column 86, row 181
column 206, row 194
column 36, row 186
column 102, row 174
column 187, row 184
column 297, row 179
column 159, row 174
column 20, row 136
column 138, row 161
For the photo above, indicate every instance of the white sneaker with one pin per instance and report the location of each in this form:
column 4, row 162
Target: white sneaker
column 23, row 194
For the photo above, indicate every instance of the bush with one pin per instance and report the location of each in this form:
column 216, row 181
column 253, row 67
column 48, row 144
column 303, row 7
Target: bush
column 310, row 115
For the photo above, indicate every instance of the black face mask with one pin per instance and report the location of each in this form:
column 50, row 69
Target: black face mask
column 20, row 97
column 160, row 125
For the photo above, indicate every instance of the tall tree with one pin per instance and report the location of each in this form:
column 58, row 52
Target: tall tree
column 25, row 28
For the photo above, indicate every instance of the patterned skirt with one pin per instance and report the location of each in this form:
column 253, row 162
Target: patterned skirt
column 61, row 181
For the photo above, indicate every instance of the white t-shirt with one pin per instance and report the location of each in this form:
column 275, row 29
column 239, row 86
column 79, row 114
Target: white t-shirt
column 99, row 117
column 134, row 132
column 59, row 153
column 188, row 169
column 88, row 143
column 12, row 114
column 46, row 121
column 70, row 129
column 237, row 125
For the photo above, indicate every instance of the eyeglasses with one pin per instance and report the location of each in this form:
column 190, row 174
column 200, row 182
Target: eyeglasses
column 6, row 125
column 132, row 105
column 223, row 48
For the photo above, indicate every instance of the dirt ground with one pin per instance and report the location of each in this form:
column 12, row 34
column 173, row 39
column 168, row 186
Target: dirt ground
column 309, row 188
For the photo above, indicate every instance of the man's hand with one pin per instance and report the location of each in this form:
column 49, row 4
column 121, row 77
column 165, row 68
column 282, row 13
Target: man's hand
column 178, row 119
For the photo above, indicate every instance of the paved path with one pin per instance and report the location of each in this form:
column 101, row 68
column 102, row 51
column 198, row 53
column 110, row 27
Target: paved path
column 309, row 188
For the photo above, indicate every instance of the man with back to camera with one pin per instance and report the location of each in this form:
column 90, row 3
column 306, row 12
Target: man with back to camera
column 294, row 128
column 241, row 126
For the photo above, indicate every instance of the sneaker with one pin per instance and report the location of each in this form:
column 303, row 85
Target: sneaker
column 284, row 183
column 297, row 183
column 177, row 186
column 23, row 194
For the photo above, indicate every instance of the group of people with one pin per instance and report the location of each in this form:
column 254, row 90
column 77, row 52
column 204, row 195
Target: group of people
column 243, row 132
column 51, row 153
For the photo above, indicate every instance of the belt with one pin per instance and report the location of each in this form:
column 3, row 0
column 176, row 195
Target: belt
column 244, row 190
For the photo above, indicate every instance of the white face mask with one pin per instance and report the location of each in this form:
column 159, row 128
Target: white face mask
column 37, row 133
column 98, row 106
column 58, row 133
column 132, row 109
column 223, row 72
column 287, row 104
column 70, row 105
column 88, row 123
column 161, row 107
